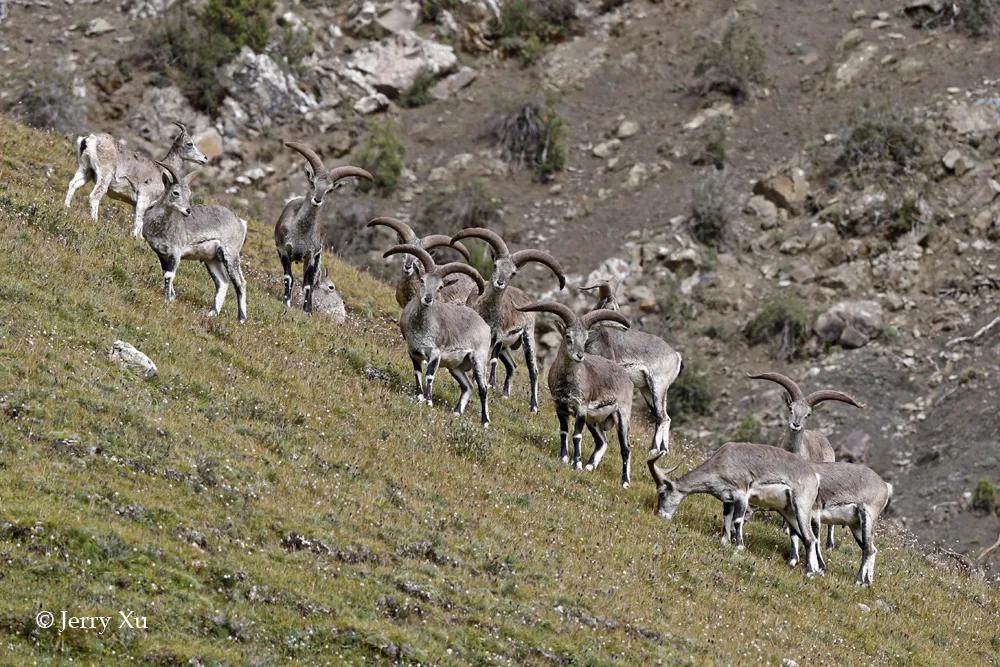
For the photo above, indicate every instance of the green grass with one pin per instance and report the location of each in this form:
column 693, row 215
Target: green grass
column 274, row 496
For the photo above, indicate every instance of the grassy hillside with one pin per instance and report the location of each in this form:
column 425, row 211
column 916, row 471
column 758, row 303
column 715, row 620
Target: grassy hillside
column 274, row 495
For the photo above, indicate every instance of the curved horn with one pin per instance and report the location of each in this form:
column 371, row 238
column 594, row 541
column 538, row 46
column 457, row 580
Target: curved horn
column 459, row 267
column 182, row 126
column 522, row 257
column 659, row 476
column 488, row 235
column 308, row 154
column 190, row 177
column 818, row 397
column 595, row 316
column 340, row 173
column 170, row 170
column 409, row 249
column 605, row 290
column 554, row 307
column 432, row 241
column 403, row 230
column 785, row 381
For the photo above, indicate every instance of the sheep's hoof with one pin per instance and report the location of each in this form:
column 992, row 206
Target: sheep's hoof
column 577, row 465
column 241, row 320
column 653, row 451
column 565, row 459
column 589, row 467
column 486, row 426
column 792, row 562
column 212, row 313
column 625, row 484
column 534, row 409
column 741, row 547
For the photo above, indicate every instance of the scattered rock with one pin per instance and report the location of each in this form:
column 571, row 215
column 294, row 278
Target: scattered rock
column 974, row 119
column 98, row 27
column 853, row 447
column 636, row 175
column 266, row 93
column 392, row 65
column 956, row 162
column 571, row 63
column 852, row 324
column 855, row 65
column 152, row 116
column 605, row 149
column 786, row 187
column 450, row 85
column 131, row 358
column 627, row 129
column 719, row 110
column 371, row 104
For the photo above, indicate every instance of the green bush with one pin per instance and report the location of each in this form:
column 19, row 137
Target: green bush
column 734, row 65
column 984, row 497
column 711, row 207
column 784, row 323
column 190, row 45
column 691, row 395
column 713, row 144
column 525, row 26
column 382, row 153
column 879, row 132
column 751, row 429
column 468, row 205
column 534, row 135
column 44, row 99
column 295, row 45
column 419, row 93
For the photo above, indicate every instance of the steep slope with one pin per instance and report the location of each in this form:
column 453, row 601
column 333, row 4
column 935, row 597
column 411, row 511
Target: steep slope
column 275, row 495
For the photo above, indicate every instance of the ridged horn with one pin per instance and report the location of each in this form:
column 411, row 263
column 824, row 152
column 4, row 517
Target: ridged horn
column 659, row 476
column 785, row 381
column 488, row 235
column 522, row 257
column 403, row 230
column 568, row 316
column 422, row 255
column 605, row 289
column 170, row 170
column 340, row 173
column 432, row 241
column 602, row 315
column 180, row 125
column 459, row 267
column 818, row 397
column 314, row 161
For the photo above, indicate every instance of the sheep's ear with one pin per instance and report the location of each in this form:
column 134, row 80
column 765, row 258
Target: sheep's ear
column 309, row 175
column 788, row 401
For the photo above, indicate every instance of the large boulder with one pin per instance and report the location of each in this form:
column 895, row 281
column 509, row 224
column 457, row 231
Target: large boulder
column 973, row 119
column 786, row 188
column 851, row 324
column 264, row 92
column 392, row 65
column 153, row 116
column 127, row 356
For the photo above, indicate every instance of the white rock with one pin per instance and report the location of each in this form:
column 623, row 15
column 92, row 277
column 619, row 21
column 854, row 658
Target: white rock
column 131, row 358
column 371, row 104
column 98, row 27
column 265, row 91
column 392, row 65
column 628, row 129
column 606, row 148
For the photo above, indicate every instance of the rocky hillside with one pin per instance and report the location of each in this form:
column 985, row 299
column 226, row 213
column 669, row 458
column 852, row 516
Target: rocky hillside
column 781, row 185
column 272, row 495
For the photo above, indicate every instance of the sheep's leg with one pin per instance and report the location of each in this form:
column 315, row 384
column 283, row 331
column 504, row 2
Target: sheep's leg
column 600, row 447
column 739, row 518
column 288, row 280
column 868, row 550
column 817, row 530
column 563, row 435
column 495, row 348
column 218, row 274
column 477, row 374
column 626, row 451
column 78, row 181
column 466, row 387
column 578, row 441
column 432, row 366
column 169, row 264
column 103, row 182
column 310, row 275
column 830, row 542
column 234, row 268
column 508, row 368
column 418, row 372
column 531, row 359
column 727, row 521
column 799, row 522
column 793, row 554
column 656, row 398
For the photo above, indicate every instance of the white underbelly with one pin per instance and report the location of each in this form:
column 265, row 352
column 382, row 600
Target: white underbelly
column 769, row 496
column 840, row 515
column 453, row 358
column 597, row 412
column 203, row 252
